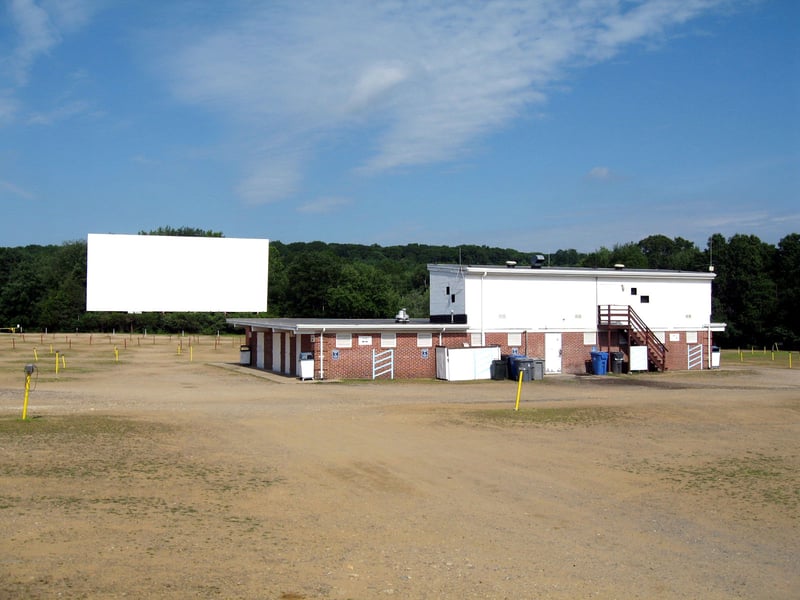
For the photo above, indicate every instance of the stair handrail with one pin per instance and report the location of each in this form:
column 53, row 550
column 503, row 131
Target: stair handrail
column 625, row 316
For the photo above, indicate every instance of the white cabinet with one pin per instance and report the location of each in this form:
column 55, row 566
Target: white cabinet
column 638, row 358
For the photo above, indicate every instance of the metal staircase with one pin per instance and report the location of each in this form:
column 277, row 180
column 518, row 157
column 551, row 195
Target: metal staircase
column 612, row 317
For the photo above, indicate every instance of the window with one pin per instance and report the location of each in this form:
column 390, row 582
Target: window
column 365, row 340
column 344, row 340
column 645, row 299
column 452, row 297
column 589, row 338
column 633, row 291
column 691, row 337
column 475, row 340
column 515, row 339
column 388, row 340
column 424, row 340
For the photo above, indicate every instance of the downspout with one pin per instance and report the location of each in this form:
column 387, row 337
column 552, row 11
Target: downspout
column 597, row 313
column 708, row 341
column 483, row 333
column 321, row 355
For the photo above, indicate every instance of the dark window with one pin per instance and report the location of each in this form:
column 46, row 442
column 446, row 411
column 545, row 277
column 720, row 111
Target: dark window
column 452, row 298
column 633, row 291
column 448, row 290
column 645, row 299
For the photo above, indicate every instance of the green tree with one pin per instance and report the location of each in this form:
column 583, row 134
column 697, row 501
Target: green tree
column 183, row 232
column 744, row 290
column 312, row 274
column 787, row 283
column 630, row 255
column 678, row 254
column 598, row 258
column 362, row 292
column 566, row 258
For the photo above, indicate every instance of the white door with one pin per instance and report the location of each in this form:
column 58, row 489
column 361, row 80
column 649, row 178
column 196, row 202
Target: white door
column 552, row 353
column 287, row 355
column 277, row 336
column 260, row 349
column 442, row 371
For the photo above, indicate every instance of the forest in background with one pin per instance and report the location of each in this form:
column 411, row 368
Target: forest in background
column 756, row 291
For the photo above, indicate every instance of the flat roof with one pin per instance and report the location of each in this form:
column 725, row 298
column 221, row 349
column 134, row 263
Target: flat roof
column 316, row 325
column 558, row 272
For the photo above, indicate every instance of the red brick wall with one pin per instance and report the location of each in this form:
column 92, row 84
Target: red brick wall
column 678, row 352
column 573, row 352
column 356, row 362
column 409, row 359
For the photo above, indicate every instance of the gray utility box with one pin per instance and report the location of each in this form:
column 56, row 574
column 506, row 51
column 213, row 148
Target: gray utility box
column 244, row 354
column 538, row 369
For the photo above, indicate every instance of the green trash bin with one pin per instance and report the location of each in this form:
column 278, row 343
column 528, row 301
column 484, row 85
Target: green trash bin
column 499, row 369
column 617, row 359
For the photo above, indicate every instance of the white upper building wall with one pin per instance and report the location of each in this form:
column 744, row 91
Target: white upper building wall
column 503, row 299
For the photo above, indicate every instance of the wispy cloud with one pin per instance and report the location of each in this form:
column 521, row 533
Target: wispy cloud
column 60, row 113
column 424, row 80
column 38, row 28
column 36, row 36
column 324, row 205
column 603, row 174
column 599, row 174
column 9, row 107
column 15, row 190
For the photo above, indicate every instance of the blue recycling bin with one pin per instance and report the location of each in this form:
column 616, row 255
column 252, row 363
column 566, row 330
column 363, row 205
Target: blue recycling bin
column 600, row 363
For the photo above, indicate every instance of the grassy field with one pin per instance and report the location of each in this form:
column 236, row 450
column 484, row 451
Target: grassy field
column 761, row 357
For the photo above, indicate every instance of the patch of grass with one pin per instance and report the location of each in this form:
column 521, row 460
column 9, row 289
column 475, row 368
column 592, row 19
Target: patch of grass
column 563, row 416
column 760, row 357
column 77, row 426
column 753, row 478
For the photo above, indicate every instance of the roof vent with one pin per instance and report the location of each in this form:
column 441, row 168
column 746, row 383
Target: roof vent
column 619, row 266
column 511, row 264
column 537, row 260
column 402, row 316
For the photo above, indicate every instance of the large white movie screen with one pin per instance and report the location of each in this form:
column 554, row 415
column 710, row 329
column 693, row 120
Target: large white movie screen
column 143, row 273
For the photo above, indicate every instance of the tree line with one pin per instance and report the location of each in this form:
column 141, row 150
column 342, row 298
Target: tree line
column 756, row 290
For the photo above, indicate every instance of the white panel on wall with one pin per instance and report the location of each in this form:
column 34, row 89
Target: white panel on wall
column 142, row 273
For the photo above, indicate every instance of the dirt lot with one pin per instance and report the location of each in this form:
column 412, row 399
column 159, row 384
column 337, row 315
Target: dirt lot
column 167, row 471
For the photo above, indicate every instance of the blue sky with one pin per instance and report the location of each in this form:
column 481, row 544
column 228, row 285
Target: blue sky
column 534, row 125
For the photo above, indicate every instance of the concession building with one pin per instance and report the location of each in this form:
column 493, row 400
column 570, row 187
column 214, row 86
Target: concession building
column 646, row 319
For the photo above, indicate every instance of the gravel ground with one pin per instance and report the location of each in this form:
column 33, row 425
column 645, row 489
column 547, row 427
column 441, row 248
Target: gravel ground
column 174, row 473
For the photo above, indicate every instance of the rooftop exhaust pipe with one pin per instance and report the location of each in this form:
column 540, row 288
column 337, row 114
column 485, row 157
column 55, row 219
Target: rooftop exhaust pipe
column 402, row 316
